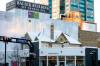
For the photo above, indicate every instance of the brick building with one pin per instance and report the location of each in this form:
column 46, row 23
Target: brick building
column 88, row 38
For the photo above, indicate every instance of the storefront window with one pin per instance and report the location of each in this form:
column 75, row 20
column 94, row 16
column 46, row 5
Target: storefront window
column 61, row 58
column 62, row 61
column 70, row 61
column 79, row 61
column 43, row 61
column 52, row 61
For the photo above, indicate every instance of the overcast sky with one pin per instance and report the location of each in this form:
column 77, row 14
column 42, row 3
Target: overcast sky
column 96, row 6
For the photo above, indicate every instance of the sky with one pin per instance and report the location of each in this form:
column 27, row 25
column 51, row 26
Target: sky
column 96, row 10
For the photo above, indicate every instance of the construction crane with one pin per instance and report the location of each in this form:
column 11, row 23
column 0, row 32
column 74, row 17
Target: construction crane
column 21, row 41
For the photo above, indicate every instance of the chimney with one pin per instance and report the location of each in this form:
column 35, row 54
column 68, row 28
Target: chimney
column 52, row 31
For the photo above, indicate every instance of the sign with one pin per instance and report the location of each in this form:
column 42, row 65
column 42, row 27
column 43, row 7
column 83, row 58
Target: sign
column 33, row 15
column 27, row 6
column 24, row 53
column 64, row 52
column 10, row 5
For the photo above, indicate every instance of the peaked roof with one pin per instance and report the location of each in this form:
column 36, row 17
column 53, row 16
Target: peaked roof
column 31, row 35
column 46, row 37
column 72, row 40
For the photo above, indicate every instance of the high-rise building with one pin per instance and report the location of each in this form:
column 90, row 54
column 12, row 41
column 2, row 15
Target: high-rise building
column 59, row 7
column 44, row 2
column 85, row 7
column 68, row 10
column 86, row 10
column 54, row 9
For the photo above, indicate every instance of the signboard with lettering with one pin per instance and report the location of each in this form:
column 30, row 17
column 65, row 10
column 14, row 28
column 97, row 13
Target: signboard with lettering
column 27, row 6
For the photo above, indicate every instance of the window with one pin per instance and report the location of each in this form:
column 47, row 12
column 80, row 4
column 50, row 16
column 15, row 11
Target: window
column 80, row 61
column 70, row 61
column 52, row 61
column 43, row 61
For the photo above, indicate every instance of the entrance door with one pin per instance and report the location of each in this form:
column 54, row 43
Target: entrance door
column 91, row 57
column 61, row 63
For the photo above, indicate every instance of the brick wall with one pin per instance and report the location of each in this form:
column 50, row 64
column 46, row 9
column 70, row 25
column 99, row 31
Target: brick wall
column 88, row 38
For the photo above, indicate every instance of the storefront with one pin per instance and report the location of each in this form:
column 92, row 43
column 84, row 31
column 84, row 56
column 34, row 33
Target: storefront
column 62, row 61
column 62, row 57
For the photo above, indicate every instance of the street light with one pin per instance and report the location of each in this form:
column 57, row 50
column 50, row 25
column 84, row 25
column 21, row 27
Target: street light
column 5, row 40
column 22, row 41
